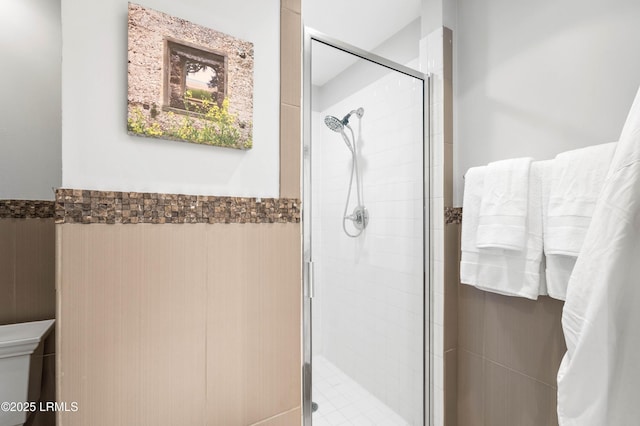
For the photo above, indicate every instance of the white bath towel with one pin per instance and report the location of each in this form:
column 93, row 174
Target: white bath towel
column 503, row 210
column 502, row 271
column 557, row 267
column 473, row 187
column 578, row 177
column 599, row 377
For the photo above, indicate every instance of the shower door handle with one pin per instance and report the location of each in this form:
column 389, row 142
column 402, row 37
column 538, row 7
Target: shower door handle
column 310, row 287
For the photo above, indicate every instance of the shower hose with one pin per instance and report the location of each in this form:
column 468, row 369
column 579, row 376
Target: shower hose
column 354, row 170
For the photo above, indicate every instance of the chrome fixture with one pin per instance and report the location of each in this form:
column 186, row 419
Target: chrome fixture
column 360, row 215
column 337, row 125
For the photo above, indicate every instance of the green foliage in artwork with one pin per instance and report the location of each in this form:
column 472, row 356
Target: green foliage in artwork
column 138, row 124
column 207, row 123
column 200, row 94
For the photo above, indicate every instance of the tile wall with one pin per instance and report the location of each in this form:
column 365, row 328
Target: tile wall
column 436, row 59
column 290, row 97
column 370, row 288
column 179, row 324
column 27, row 289
column 510, row 349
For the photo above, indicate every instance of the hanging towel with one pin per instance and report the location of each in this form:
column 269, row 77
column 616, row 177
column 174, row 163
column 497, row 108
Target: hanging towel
column 473, row 187
column 578, row 177
column 599, row 377
column 507, row 272
column 544, row 171
column 575, row 179
column 557, row 267
column 503, row 210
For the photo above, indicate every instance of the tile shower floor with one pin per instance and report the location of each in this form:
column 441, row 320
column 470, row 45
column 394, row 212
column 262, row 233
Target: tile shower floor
column 342, row 401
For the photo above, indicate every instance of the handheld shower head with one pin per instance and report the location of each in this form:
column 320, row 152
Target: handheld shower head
column 360, row 216
column 333, row 123
column 338, row 125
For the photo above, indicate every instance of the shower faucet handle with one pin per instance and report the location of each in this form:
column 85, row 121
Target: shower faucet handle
column 360, row 217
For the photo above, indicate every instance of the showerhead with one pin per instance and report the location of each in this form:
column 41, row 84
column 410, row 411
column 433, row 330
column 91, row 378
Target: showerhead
column 333, row 123
column 337, row 125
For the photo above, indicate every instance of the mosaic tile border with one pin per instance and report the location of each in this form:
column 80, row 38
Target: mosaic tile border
column 86, row 207
column 26, row 209
column 452, row 215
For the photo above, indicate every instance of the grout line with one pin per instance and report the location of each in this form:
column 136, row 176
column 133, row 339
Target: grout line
column 521, row 373
column 509, row 368
column 57, row 369
column 264, row 421
column 14, row 269
column 206, row 322
column 283, row 103
column 283, row 7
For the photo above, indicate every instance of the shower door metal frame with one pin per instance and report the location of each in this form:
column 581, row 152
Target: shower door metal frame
column 311, row 35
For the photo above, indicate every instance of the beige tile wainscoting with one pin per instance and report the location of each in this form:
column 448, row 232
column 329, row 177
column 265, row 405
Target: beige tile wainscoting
column 27, row 280
column 179, row 324
column 508, row 354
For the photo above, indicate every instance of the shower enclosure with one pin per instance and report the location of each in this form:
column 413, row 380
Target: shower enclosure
column 366, row 241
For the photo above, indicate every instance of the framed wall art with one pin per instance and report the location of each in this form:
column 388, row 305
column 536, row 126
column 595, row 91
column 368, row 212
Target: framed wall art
column 187, row 82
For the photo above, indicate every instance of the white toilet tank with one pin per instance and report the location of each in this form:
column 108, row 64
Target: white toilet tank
column 17, row 345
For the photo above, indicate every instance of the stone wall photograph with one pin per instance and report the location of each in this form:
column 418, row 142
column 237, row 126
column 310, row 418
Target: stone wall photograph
column 187, row 82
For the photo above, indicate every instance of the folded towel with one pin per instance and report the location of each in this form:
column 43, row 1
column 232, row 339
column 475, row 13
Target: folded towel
column 503, row 210
column 557, row 273
column 557, row 267
column 508, row 272
column 473, row 188
column 577, row 179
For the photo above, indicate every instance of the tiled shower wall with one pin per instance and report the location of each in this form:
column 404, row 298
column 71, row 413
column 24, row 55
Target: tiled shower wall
column 370, row 288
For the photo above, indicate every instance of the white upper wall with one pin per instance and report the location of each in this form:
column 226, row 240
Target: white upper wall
column 97, row 152
column 538, row 78
column 30, row 127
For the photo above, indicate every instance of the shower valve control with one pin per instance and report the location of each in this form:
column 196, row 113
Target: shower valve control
column 360, row 217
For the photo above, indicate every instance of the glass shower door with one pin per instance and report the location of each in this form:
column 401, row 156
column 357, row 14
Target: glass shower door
column 365, row 198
